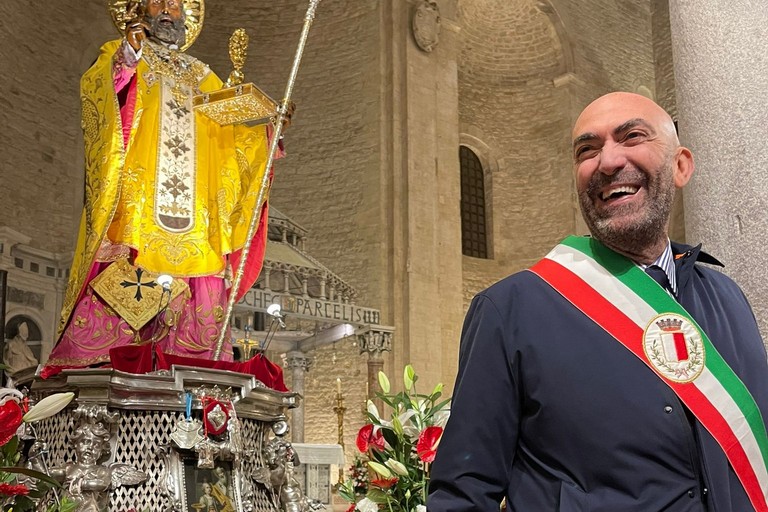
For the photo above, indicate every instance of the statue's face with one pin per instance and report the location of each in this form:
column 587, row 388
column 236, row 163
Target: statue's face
column 171, row 7
column 89, row 448
column 166, row 21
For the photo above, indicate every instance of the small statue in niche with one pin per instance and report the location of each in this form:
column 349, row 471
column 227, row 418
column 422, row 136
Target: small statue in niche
column 86, row 481
column 17, row 355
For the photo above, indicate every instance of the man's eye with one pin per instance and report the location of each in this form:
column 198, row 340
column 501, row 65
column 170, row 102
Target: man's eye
column 581, row 151
column 634, row 135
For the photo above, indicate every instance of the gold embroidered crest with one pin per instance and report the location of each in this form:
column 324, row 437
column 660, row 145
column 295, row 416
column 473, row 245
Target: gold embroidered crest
column 134, row 293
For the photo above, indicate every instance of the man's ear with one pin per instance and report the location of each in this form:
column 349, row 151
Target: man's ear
column 683, row 166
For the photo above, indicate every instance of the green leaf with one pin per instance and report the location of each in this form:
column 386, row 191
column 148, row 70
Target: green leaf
column 441, row 405
column 347, row 491
column 377, row 496
column 390, row 437
column 11, row 447
column 23, row 503
column 31, row 472
column 67, row 505
column 384, row 382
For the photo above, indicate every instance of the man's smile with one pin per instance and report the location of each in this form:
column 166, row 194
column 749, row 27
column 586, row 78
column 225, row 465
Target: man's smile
column 618, row 193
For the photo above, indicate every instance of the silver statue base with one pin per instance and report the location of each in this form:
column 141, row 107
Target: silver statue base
column 191, row 439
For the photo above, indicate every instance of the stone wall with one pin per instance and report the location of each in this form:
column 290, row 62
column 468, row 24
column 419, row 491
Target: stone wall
column 519, row 96
column 372, row 164
column 44, row 48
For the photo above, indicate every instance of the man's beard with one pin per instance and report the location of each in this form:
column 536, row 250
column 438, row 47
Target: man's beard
column 168, row 34
column 651, row 218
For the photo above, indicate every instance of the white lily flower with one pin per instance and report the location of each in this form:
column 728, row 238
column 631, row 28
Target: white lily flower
column 366, row 505
column 373, row 410
column 421, row 508
column 440, row 418
column 48, row 407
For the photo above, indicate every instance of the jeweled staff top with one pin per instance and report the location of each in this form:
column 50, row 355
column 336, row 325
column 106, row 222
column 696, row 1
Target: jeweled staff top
column 309, row 17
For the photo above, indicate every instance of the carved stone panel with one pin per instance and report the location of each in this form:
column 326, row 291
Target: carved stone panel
column 426, row 25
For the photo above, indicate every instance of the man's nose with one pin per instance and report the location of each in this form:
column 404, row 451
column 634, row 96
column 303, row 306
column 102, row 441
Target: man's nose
column 612, row 158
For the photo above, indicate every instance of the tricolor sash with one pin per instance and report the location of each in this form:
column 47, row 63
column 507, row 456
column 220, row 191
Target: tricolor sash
column 622, row 299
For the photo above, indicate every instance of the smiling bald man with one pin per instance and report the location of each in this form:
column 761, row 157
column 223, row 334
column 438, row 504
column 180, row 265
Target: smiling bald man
column 619, row 373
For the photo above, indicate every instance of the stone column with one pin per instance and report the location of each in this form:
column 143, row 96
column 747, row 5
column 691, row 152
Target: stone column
column 720, row 73
column 299, row 364
column 420, row 166
column 375, row 342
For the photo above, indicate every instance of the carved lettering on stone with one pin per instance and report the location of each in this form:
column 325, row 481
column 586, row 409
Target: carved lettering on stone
column 426, row 25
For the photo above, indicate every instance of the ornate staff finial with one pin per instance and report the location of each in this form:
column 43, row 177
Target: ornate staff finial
column 238, row 52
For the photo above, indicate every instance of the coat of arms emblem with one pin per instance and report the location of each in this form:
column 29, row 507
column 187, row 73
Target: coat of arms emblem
column 426, row 25
column 674, row 347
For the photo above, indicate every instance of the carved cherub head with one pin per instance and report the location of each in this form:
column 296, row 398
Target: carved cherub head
column 91, row 441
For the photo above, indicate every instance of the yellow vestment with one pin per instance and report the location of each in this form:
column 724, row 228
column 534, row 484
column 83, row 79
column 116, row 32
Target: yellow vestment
column 182, row 193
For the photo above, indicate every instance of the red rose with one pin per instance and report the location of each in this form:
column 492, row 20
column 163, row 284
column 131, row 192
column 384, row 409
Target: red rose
column 351, row 508
column 367, row 438
column 13, row 490
column 426, row 447
column 10, row 419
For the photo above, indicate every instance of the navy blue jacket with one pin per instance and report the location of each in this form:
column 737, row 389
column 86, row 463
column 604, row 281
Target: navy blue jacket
column 556, row 415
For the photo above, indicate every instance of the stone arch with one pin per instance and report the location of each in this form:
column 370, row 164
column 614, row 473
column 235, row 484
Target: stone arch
column 548, row 8
column 512, row 53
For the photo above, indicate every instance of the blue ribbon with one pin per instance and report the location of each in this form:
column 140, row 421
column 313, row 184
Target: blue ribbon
column 189, row 406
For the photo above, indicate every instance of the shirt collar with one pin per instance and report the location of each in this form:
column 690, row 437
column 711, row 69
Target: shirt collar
column 667, row 263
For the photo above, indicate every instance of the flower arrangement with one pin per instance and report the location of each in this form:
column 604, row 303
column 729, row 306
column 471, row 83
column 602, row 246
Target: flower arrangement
column 358, row 475
column 399, row 448
column 20, row 487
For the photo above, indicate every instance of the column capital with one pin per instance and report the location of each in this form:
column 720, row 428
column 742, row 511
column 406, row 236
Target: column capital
column 297, row 360
column 375, row 340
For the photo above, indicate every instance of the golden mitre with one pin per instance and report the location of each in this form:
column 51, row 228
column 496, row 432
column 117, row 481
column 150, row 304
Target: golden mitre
column 193, row 9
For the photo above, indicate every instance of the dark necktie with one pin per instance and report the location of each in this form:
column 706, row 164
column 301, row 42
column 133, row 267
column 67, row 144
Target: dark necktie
column 658, row 275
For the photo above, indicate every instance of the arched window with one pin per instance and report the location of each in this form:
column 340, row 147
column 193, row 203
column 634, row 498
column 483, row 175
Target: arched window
column 474, row 239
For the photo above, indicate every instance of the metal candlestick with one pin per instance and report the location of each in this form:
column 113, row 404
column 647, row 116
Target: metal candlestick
column 339, row 410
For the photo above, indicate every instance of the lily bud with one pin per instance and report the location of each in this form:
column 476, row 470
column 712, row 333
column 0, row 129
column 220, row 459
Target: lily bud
column 397, row 466
column 408, row 377
column 381, row 469
column 48, row 407
column 384, row 383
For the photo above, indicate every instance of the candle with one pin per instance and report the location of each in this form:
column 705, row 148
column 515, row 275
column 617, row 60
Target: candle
column 338, row 386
